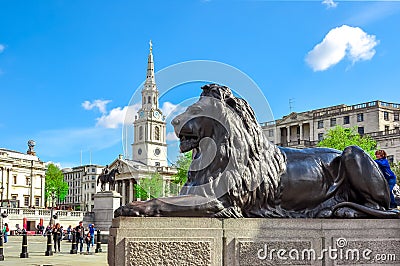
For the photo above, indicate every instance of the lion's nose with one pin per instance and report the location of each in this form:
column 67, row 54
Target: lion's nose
column 175, row 121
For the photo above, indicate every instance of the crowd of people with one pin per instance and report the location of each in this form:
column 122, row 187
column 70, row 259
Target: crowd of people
column 83, row 235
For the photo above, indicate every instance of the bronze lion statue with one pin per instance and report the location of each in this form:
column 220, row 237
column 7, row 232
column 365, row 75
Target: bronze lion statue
column 237, row 172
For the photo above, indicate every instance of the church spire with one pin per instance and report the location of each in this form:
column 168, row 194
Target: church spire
column 150, row 83
column 150, row 92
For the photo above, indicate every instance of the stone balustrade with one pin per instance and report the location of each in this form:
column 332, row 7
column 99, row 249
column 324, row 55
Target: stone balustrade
column 33, row 217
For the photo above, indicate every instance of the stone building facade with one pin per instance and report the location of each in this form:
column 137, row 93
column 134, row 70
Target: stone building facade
column 378, row 119
column 82, row 182
column 22, row 177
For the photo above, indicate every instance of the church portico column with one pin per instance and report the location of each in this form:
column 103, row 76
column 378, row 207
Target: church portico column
column 123, row 192
column 130, row 190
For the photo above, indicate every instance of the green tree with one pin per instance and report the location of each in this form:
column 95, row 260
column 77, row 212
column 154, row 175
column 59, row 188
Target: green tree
column 183, row 164
column 55, row 184
column 340, row 137
column 152, row 186
column 396, row 169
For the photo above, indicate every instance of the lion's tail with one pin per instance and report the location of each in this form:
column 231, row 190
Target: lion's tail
column 367, row 210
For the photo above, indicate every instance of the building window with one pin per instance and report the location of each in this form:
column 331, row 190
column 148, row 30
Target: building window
column 14, row 197
column 270, row 133
column 320, row 136
column 386, row 129
column 93, row 177
column 361, row 130
column 26, row 201
column 37, row 201
column 144, row 100
column 360, row 117
column 157, row 133
column 149, row 99
column 140, row 132
column 396, row 116
column 386, row 116
column 157, row 163
column 27, row 181
column 93, row 170
column 346, row 120
column 14, row 179
column 333, row 122
column 320, row 124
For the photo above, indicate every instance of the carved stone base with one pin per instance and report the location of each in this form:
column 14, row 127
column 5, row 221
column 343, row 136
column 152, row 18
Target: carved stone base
column 105, row 203
column 204, row 241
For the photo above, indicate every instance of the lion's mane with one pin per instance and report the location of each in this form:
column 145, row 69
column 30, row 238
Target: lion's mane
column 255, row 164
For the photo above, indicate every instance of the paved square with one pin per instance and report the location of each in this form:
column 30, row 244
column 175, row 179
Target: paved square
column 37, row 249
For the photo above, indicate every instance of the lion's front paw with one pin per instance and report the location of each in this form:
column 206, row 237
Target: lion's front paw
column 136, row 209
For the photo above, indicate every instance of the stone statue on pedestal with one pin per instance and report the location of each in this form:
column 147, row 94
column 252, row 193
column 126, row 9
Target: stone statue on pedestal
column 237, row 172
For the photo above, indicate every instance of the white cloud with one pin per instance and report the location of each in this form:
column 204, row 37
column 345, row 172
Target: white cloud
column 58, row 164
column 339, row 42
column 329, row 3
column 122, row 115
column 118, row 116
column 100, row 104
column 171, row 136
column 168, row 108
column 2, row 47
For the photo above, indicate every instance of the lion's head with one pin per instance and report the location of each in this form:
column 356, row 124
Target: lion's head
column 232, row 159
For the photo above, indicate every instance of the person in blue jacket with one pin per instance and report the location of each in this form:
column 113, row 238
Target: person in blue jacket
column 390, row 177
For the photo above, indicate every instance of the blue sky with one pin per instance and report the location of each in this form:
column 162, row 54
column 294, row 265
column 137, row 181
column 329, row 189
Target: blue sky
column 68, row 69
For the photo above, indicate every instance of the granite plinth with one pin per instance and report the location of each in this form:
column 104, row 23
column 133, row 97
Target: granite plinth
column 209, row 241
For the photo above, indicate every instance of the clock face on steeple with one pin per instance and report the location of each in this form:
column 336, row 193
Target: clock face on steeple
column 141, row 114
column 156, row 114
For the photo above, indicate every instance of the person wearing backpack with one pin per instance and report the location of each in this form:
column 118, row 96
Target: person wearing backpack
column 6, row 231
column 91, row 231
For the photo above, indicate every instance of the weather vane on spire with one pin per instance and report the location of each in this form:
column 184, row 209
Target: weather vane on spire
column 151, row 46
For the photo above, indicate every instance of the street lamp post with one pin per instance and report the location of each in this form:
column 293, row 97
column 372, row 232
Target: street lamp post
column 2, row 215
column 52, row 208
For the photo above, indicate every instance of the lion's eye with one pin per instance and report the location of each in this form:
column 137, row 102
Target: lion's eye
column 195, row 110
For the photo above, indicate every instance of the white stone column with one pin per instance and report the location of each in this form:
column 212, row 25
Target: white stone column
column 123, row 192
column 130, row 196
column 42, row 191
column 301, row 132
column 288, row 134
column 8, row 183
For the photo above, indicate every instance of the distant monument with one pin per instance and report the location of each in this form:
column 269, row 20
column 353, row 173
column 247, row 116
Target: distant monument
column 31, row 146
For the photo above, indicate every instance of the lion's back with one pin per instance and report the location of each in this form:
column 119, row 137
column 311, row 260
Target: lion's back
column 309, row 174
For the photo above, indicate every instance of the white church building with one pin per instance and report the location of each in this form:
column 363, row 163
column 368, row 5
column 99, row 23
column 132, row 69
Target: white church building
column 149, row 147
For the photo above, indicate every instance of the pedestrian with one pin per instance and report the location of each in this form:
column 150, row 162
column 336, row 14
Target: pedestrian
column 88, row 240
column 57, row 235
column 390, row 177
column 91, row 231
column 69, row 232
column 80, row 234
column 5, row 231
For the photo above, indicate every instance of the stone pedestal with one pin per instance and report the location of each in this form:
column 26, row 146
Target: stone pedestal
column 104, row 205
column 209, row 241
